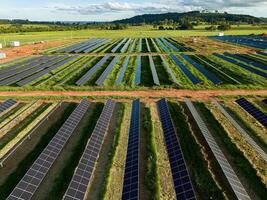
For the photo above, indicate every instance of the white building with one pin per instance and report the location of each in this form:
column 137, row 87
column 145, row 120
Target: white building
column 15, row 43
column 2, row 55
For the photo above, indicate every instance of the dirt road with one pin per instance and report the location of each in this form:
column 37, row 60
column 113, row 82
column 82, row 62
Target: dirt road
column 200, row 94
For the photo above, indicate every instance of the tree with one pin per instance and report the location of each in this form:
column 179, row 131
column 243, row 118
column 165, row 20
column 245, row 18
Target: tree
column 224, row 27
column 186, row 25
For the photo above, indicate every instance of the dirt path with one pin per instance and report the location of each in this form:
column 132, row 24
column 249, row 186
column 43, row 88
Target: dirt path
column 200, row 94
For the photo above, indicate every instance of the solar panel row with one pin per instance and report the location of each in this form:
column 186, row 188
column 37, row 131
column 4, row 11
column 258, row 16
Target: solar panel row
column 130, row 189
column 147, row 45
column 253, row 111
column 181, row 179
column 18, row 77
column 155, row 45
column 124, row 48
column 162, row 45
column 109, row 68
column 138, row 70
column 97, row 45
column 140, row 45
column 133, row 46
column 168, row 69
column 186, row 71
column 242, row 131
column 210, row 76
column 87, row 45
column 74, row 47
column 90, row 73
column 228, row 171
column 170, row 44
column 248, row 68
column 45, row 71
column 118, row 46
column 30, row 182
column 93, row 45
column 123, row 69
column 153, row 70
column 7, row 104
column 83, row 172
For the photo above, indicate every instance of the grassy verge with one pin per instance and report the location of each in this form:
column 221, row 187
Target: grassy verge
column 116, row 138
column 245, row 169
column 62, row 180
column 201, row 177
column 151, row 174
column 23, row 166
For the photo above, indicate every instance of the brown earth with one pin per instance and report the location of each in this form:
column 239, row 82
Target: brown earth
column 172, row 93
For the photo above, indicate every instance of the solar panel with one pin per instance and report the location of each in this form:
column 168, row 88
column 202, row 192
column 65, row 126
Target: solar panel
column 88, row 45
column 133, row 46
column 124, row 48
column 228, row 171
column 147, row 45
column 118, row 46
column 74, row 47
column 30, row 182
column 130, row 189
column 155, row 45
column 210, row 76
column 248, row 68
column 83, row 172
column 90, row 73
column 16, row 78
column 123, row 69
column 181, row 179
column 46, row 71
column 7, row 104
column 170, row 44
column 186, row 71
column 138, row 70
column 162, row 45
column 247, row 60
column 153, row 70
column 140, row 45
column 97, row 45
column 242, row 131
column 109, row 68
column 167, row 67
column 253, row 111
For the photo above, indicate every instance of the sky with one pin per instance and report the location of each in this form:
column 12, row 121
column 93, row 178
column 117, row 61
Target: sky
column 108, row 10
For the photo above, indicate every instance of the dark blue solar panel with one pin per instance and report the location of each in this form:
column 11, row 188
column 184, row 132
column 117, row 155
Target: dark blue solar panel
column 170, row 44
column 131, row 172
column 265, row 101
column 138, row 70
column 181, row 179
column 162, row 45
column 205, row 72
column 251, row 69
column 247, row 60
column 191, row 76
column 253, row 111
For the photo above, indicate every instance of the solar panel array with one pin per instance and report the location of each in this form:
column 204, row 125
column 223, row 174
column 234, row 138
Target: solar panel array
column 91, row 46
column 233, row 61
column 124, row 48
column 118, row 46
column 210, row 76
column 170, row 44
column 138, row 70
column 247, row 60
column 46, row 71
column 153, row 70
column 90, row 73
column 167, row 67
column 181, row 179
column 133, row 46
column 253, row 111
column 162, row 45
column 147, row 45
column 72, row 48
column 130, row 189
column 30, row 182
column 242, row 131
column 83, row 172
column 7, row 104
column 109, row 68
column 228, row 171
column 186, row 71
column 155, row 45
column 123, row 69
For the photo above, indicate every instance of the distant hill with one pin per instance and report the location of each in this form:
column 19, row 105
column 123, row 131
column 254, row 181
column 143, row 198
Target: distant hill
column 193, row 16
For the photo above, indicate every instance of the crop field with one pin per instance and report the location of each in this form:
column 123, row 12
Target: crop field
column 146, row 148
column 139, row 63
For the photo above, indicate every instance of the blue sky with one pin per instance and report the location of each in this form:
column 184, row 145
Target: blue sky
column 107, row 10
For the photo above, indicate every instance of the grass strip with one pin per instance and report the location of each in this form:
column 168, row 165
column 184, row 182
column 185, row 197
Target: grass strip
column 205, row 186
column 24, row 165
column 62, row 180
column 239, row 160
